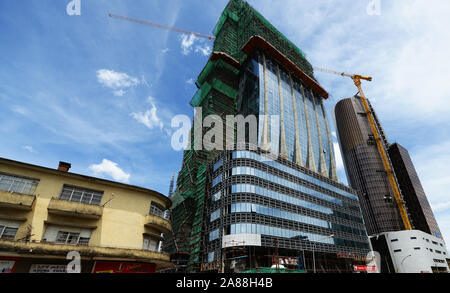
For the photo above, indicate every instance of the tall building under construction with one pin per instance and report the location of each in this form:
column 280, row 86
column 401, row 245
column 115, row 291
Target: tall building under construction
column 244, row 209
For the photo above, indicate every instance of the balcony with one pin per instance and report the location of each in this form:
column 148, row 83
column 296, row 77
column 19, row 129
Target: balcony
column 74, row 209
column 158, row 223
column 46, row 249
column 16, row 200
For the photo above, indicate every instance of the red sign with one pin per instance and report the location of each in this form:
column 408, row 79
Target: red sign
column 8, row 264
column 365, row 268
column 123, row 267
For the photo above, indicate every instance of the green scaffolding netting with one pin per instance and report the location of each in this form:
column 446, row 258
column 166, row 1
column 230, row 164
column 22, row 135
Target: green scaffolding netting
column 206, row 89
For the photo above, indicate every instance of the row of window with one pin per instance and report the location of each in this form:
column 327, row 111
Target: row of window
column 157, row 210
column 259, row 209
column 418, row 248
column 248, row 188
column 278, row 232
column 284, row 168
column 66, row 235
column 284, row 182
column 415, row 238
column 69, row 238
column 247, row 228
column 69, row 193
column 82, row 195
column 17, row 184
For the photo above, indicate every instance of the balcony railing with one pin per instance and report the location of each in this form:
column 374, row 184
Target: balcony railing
column 74, row 209
column 16, row 200
column 158, row 223
column 60, row 250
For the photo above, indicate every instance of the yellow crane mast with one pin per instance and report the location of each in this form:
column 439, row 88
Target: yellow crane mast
column 387, row 166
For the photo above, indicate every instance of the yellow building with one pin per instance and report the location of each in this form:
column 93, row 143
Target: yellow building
column 47, row 213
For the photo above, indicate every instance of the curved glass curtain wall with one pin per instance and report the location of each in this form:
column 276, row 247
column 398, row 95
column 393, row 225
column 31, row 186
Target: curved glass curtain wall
column 249, row 90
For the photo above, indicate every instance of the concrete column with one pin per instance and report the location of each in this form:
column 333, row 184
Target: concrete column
column 283, row 146
column 323, row 170
column 265, row 142
column 298, row 150
column 311, row 161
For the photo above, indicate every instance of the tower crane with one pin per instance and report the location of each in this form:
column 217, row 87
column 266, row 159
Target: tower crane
column 149, row 23
column 398, row 198
column 356, row 80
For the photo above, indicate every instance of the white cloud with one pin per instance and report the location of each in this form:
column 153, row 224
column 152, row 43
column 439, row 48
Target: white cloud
column 441, row 206
column 119, row 93
column 20, row 110
column 443, row 220
column 165, row 51
column 30, row 149
column 187, row 41
column 190, row 81
column 432, row 165
column 188, row 45
column 110, row 169
column 117, row 81
column 205, row 50
column 150, row 118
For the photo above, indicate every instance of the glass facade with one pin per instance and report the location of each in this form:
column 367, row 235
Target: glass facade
column 263, row 78
column 283, row 203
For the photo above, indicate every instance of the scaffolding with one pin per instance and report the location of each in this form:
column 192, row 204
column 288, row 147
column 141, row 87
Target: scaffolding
column 218, row 86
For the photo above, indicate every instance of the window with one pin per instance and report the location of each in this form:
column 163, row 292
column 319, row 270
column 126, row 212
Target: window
column 397, row 250
column 416, row 248
column 150, row 244
column 156, row 209
column 217, row 180
column 394, row 240
column 214, row 235
column 211, row 257
column 82, row 195
column 215, row 196
column 7, row 232
column 217, row 165
column 215, row 215
column 16, row 184
column 8, row 229
column 413, row 238
column 67, row 235
column 70, row 238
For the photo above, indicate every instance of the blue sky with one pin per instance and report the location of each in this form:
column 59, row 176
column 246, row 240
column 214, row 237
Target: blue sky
column 100, row 93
